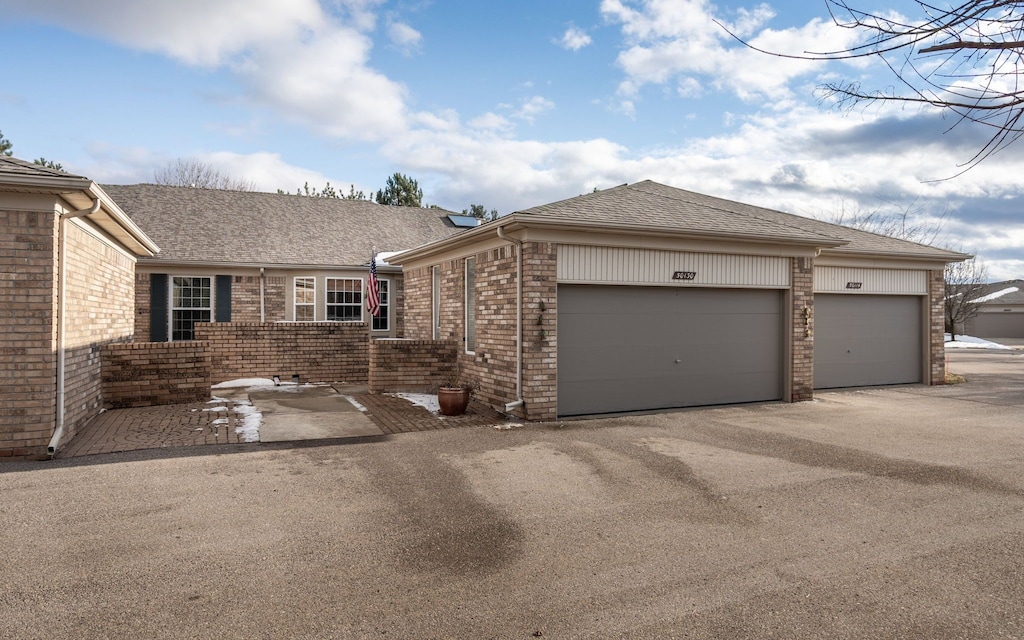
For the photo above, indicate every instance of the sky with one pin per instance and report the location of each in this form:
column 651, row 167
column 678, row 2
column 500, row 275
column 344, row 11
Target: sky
column 504, row 104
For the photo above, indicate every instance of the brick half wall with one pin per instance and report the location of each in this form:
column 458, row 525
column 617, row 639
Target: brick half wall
column 412, row 366
column 315, row 351
column 144, row 374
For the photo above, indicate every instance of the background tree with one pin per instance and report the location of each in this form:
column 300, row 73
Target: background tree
column 400, row 191
column 480, row 211
column 5, row 145
column 328, row 192
column 964, row 284
column 49, row 164
column 966, row 59
column 192, row 172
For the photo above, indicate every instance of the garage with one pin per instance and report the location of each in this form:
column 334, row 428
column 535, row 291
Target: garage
column 864, row 340
column 629, row 348
column 994, row 324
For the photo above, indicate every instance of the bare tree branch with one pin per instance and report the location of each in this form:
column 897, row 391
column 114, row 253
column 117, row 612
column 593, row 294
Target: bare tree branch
column 192, row 172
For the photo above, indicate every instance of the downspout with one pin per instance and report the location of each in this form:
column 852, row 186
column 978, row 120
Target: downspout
column 518, row 402
column 263, row 315
column 62, row 253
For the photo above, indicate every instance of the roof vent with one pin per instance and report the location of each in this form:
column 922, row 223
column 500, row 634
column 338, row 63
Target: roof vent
column 464, row 222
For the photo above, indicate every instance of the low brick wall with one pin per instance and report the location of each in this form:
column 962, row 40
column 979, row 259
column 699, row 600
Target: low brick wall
column 413, row 366
column 144, row 374
column 315, row 351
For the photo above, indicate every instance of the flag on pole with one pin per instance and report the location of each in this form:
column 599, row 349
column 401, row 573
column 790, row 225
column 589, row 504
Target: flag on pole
column 373, row 289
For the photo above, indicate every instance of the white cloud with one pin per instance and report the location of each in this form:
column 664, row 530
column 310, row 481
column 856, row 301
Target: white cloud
column 404, row 38
column 533, row 107
column 490, row 121
column 574, row 38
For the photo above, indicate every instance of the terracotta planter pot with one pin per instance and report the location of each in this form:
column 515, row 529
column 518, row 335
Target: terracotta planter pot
column 453, row 400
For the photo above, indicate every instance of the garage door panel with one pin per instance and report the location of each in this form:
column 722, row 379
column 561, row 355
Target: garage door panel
column 864, row 340
column 672, row 348
column 997, row 325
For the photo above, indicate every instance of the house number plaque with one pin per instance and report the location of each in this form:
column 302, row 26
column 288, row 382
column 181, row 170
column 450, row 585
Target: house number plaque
column 684, row 275
column 854, row 285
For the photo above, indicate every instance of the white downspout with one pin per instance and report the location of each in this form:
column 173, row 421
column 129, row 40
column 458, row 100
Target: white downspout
column 62, row 253
column 263, row 315
column 518, row 402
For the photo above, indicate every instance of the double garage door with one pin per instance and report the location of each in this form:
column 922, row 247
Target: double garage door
column 626, row 348
column 632, row 348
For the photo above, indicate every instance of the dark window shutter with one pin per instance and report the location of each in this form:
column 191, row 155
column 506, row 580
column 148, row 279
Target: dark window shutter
column 158, row 307
column 223, row 310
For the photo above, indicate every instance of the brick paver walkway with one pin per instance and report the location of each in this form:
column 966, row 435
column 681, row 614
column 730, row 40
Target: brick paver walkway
column 183, row 425
column 175, row 425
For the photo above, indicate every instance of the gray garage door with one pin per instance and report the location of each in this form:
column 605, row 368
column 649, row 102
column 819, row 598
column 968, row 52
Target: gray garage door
column 862, row 340
column 635, row 348
column 997, row 325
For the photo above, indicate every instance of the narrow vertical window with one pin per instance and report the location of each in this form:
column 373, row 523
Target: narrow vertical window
column 305, row 299
column 470, row 305
column 437, row 303
column 380, row 321
column 191, row 302
column 344, row 299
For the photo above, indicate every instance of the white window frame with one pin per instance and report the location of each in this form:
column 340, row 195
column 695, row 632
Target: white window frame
column 173, row 308
column 469, row 329
column 295, row 298
column 385, row 306
column 358, row 304
column 435, row 301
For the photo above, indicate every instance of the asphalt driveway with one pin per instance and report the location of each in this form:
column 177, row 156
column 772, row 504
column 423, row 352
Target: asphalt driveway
column 878, row 513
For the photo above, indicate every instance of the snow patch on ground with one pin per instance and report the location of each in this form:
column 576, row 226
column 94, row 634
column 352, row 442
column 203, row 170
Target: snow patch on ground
column 355, row 403
column 244, row 382
column 425, row 400
column 252, row 420
column 220, row 421
column 970, row 342
column 221, row 408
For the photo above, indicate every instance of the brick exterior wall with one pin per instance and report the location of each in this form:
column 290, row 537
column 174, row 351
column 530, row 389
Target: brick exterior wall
column 540, row 336
column 274, row 299
column 28, row 341
column 316, row 351
column 99, row 309
column 142, row 307
column 416, row 303
column 802, row 362
column 245, row 299
column 413, row 366
column 143, row 374
column 937, row 327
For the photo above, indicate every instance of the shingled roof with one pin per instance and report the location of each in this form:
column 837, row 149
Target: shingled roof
column 1001, row 293
column 654, row 206
column 10, row 166
column 210, row 226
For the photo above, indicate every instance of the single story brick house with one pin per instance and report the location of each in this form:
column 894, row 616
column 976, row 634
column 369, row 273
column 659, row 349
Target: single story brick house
column 67, row 271
column 1000, row 311
column 646, row 296
column 234, row 256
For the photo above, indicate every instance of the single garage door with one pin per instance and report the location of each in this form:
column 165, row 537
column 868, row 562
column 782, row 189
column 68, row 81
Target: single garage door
column 1000, row 324
column 623, row 348
column 863, row 340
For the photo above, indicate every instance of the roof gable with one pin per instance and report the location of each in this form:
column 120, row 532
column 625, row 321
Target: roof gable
column 211, row 226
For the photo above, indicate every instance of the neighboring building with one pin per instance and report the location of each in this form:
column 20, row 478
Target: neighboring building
column 261, row 257
column 1000, row 311
column 646, row 296
column 67, row 271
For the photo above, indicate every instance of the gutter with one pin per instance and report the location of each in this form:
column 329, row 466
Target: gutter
column 58, row 432
column 518, row 402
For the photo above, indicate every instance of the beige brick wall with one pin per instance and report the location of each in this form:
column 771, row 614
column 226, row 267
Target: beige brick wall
column 802, row 362
column 413, row 366
column 540, row 336
column 143, row 374
column 936, row 325
column 245, row 298
column 142, row 307
column 99, row 283
column 416, row 304
column 28, row 309
column 274, row 298
column 316, row 351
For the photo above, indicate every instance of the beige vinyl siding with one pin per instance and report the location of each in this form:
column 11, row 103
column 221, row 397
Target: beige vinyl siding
column 872, row 281
column 616, row 265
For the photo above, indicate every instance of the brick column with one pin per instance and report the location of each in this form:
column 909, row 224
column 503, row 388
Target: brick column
column 540, row 331
column 802, row 364
column 936, row 327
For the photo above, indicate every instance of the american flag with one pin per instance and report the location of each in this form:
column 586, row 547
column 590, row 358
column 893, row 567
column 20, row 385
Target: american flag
column 373, row 290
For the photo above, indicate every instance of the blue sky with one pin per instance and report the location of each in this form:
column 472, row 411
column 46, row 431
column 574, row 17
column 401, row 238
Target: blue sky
column 508, row 104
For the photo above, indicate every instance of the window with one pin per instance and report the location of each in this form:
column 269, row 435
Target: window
column 470, row 305
column 305, row 299
column 344, row 299
column 380, row 321
column 190, row 303
column 436, row 299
